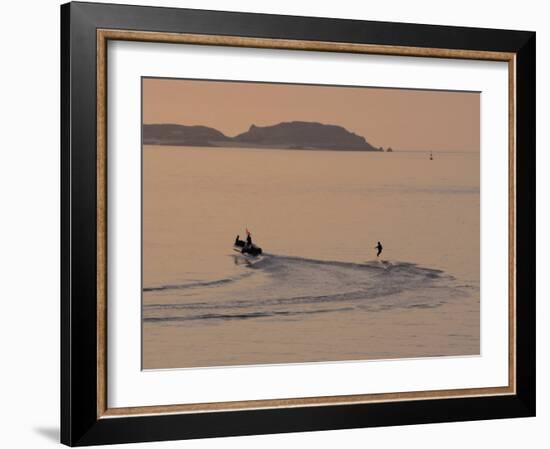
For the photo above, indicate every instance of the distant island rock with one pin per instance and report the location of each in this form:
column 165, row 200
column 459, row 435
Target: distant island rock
column 183, row 135
column 304, row 135
column 286, row 135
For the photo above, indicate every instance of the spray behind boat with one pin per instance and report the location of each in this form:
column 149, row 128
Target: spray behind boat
column 247, row 246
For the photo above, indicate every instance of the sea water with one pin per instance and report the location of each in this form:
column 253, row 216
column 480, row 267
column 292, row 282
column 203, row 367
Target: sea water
column 319, row 292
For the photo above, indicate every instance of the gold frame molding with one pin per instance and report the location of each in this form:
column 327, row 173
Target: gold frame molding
column 105, row 35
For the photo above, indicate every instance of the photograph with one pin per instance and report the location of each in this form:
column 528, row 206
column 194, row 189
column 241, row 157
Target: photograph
column 299, row 223
column 281, row 223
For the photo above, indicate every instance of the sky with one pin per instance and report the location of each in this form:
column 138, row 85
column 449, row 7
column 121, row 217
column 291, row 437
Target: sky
column 403, row 119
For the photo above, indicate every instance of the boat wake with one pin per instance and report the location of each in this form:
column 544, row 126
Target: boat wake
column 292, row 288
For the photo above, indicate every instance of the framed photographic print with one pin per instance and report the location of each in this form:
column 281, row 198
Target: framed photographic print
column 278, row 224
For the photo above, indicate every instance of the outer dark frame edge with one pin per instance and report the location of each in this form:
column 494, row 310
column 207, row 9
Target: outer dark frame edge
column 79, row 423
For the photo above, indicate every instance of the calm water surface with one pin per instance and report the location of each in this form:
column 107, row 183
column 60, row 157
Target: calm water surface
column 319, row 293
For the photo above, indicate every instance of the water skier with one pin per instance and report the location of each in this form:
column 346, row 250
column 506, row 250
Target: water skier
column 379, row 248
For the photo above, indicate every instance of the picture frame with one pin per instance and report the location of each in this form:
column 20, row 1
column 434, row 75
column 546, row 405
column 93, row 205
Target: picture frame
column 86, row 30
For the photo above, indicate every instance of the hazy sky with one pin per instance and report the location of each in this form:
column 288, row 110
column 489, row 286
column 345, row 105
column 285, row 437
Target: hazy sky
column 398, row 118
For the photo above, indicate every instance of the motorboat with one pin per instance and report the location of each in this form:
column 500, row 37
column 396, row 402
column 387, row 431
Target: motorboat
column 244, row 247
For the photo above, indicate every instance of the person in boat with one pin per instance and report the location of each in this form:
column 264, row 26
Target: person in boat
column 379, row 248
column 248, row 247
column 239, row 243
